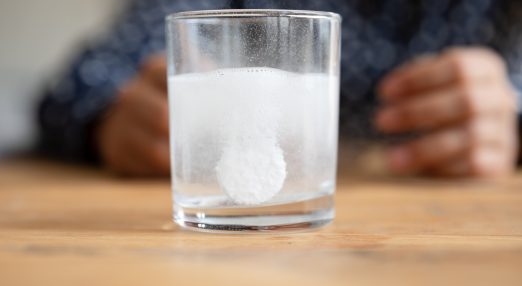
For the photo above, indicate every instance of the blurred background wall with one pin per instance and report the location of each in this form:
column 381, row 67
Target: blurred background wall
column 37, row 37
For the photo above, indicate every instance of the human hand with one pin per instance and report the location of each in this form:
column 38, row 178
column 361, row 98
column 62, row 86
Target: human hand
column 133, row 137
column 464, row 107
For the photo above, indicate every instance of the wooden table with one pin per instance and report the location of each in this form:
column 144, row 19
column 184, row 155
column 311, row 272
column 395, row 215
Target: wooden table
column 66, row 225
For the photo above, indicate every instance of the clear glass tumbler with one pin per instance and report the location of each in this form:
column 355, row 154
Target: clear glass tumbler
column 254, row 105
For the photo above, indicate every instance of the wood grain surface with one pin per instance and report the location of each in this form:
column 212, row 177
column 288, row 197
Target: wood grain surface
column 69, row 225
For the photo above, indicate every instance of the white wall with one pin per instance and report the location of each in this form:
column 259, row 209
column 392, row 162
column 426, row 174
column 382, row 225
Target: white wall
column 36, row 38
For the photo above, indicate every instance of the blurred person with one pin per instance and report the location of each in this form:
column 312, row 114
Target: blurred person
column 449, row 71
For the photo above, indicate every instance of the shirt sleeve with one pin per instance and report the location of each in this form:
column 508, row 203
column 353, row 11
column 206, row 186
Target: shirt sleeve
column 71, row 107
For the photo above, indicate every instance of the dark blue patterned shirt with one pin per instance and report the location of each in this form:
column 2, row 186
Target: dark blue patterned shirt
column 377, row 36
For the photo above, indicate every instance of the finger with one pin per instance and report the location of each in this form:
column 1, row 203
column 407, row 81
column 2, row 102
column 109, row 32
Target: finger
column 151, row 152
column 117, row 160
column 130, row 166
column 433, row 151
column 456, row 168
column 423, row 112
column 138, row 153
column 485, row 163
column 429, row 150
column 443, row 107
column 453, row 66
column 154, row 70
column 146, row 106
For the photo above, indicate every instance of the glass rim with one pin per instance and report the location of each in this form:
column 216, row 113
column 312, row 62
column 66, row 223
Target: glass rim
column 253, row 13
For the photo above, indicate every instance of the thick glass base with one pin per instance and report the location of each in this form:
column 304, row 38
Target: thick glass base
column 298, row 216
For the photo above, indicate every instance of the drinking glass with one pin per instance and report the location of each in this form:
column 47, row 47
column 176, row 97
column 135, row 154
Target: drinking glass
column 254, row 106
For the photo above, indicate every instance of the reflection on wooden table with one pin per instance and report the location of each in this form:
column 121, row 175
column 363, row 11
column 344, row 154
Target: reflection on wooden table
column 66, row 225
